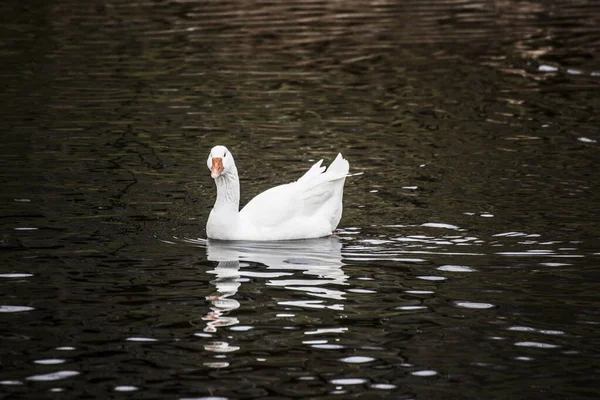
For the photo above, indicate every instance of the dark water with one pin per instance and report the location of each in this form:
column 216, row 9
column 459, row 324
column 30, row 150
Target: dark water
column 467, row 265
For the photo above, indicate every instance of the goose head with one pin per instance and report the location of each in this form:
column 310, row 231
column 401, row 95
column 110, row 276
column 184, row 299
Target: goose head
column 220, row 162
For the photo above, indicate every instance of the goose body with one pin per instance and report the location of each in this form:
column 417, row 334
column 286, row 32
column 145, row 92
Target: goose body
column 310, row 207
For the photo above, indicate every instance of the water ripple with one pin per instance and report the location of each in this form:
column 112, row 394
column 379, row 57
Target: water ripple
column 357, row 359
column 538, row 345
column 474, row 305
column 14, row 309
column 54, row 376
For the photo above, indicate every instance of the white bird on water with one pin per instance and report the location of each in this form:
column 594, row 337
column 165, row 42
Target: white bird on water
column 310, row 207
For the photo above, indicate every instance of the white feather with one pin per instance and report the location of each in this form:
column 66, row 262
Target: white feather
column 308, row 208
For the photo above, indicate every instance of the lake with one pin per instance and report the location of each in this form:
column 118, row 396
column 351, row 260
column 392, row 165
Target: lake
column 466, row 265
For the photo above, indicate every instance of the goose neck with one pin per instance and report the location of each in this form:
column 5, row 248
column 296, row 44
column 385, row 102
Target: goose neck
column 228, row 191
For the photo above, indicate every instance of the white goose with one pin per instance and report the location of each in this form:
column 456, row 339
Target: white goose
column 311, row 207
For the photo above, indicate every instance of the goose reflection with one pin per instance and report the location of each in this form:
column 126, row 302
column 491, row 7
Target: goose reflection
column 227, row 283
column 312, row 267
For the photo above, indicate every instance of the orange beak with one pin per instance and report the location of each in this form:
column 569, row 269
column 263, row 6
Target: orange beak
column 217, row 167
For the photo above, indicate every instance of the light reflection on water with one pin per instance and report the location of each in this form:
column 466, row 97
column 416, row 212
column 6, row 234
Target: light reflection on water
column 329, row 268
column 459, row 281
column 318, row 262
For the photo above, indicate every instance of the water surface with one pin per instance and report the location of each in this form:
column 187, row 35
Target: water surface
column 466, row 264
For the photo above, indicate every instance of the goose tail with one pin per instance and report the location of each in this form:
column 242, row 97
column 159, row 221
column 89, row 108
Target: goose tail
column 338, row 169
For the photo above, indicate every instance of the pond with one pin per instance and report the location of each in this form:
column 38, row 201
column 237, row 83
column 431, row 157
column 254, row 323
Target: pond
column 466, row 264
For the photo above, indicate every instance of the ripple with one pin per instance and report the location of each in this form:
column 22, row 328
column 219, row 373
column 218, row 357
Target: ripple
column 328, row 346
column 241, row 328
column 357, row 359
column 470, row 304
column 216, row 365
column 431, row 278
column 362, row 291
column 521, row 329
column 456, row 268
column 349, row 381
column 54, row 376
column 11, row 383
column 381, row 257
column 538, row 345
column 523, row 358
column 141, row 339
column 50, row 361
column 267, row 275
column 426, row 372
column 540, row 253
column 376, row 241
column 547, row 68
column 311, row 304
column 440, row 225
column 551, row 264
column 15, row 275
column 221, row 347
column 383, row 386
column 510, row 234
column 125, row 389
column 204, row 398
column 65, row 348
column 530, row 329
column 323, row 341
column 326, row 330
column 410, row 308
column 14, row 309
column 551, row 332
column 419, row 291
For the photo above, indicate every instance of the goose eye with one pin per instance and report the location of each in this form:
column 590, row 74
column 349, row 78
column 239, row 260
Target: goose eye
column 224, row 154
